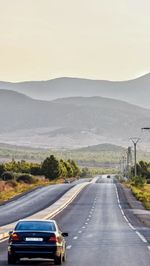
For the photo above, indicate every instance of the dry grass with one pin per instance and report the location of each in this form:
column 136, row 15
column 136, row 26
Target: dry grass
column 11, row 189
column 142, row 194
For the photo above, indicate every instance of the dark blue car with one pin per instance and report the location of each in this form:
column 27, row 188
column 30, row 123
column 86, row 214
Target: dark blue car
column 37, row 239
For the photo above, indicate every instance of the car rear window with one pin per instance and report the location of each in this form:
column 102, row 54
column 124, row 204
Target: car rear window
column 37, row 226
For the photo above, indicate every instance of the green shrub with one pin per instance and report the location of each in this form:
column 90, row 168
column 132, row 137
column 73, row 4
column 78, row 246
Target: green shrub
column 2, row 169
column 25, row 178
column 138, row 181
column 7, row 176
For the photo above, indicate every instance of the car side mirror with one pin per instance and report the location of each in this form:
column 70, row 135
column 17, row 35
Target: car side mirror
column 10, row 233
column 65, row 234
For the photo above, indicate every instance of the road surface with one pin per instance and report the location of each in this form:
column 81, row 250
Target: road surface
column 99, row 233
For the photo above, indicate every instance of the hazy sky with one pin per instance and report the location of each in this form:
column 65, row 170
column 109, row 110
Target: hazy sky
column 98, row 39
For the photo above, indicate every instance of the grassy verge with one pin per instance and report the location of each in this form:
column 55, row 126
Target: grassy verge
column 11, row 189
column 141, row 193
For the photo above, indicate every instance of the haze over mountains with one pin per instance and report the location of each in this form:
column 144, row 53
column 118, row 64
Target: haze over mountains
column 69, row 122
column 135, row 91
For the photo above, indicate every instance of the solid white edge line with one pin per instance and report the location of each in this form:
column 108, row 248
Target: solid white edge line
column 141, row 237
column 3, row 240
column 126, row 219
column 148, row 247
column 132, row 227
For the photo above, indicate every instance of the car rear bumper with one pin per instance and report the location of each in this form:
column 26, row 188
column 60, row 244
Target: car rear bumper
column 34, row 251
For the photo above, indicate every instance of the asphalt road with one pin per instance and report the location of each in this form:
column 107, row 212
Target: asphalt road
column 99, row 233
column 32, row 202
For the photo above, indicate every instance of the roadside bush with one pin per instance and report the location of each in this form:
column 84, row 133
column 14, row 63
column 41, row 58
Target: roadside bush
column 2, row 169
column 25, row 178
column 7, row 176
column 138, row 181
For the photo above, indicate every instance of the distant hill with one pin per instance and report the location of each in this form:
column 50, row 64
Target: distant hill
column 102, row 147
column 135, row 91
column 69, row 122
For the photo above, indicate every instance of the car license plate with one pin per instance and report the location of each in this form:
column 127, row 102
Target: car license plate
column 34, row 239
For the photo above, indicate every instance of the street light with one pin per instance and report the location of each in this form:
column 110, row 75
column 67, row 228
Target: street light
column 135, row 141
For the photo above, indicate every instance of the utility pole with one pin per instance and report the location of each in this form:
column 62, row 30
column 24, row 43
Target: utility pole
column 135, row 142
column 129, row 161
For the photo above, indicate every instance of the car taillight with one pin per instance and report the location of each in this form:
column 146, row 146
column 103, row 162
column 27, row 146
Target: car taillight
column 15, row 237
column 54, row 239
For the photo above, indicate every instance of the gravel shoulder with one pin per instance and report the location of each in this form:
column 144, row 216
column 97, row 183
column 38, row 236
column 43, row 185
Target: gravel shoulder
column 133, row 206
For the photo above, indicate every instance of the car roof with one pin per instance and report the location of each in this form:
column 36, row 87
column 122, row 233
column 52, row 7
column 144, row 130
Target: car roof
column 37, row 220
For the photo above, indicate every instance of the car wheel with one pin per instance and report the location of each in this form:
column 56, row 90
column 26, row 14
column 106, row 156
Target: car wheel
column 58, row 260
column 12, row 259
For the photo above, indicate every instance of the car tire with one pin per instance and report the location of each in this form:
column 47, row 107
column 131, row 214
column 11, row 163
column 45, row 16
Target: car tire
column 11, row 259
column 58, row 260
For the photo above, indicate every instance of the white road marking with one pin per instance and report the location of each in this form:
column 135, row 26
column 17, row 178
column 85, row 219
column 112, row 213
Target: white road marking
column 125, row 218
column 131, row 226
column 149, row 247
column 69, row 247
column 83, row 227
column 87, row 219
column 122, row 212
column 1, row 241
column 79, row 232
column 141, row 237
column 75, row 237
column 86, row 223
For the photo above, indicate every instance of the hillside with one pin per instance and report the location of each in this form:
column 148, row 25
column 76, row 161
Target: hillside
column 72, row 122
column 106, row 147
column 135, row 91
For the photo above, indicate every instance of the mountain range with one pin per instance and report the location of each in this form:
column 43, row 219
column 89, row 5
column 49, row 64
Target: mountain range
column 135, row 91
column 68, row 122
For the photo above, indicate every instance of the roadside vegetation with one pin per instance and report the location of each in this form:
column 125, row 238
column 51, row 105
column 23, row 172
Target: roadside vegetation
column 19, row 176
column 84, row 157
column 140, row 184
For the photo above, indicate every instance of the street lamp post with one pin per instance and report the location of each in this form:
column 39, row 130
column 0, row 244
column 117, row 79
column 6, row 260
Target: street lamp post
column 135, row 142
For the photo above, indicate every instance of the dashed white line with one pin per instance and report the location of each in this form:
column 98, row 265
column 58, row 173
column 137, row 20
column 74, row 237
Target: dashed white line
column 69, row 247
column 79, row 232
column 75, row 237
column 141, row 237
column 83, row 227
column 148, row 247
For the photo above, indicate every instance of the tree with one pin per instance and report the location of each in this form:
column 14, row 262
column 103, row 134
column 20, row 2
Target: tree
column 75, row 168
column 63, row 169
column 69, row 169
column 2, row 169
column 51, row 167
